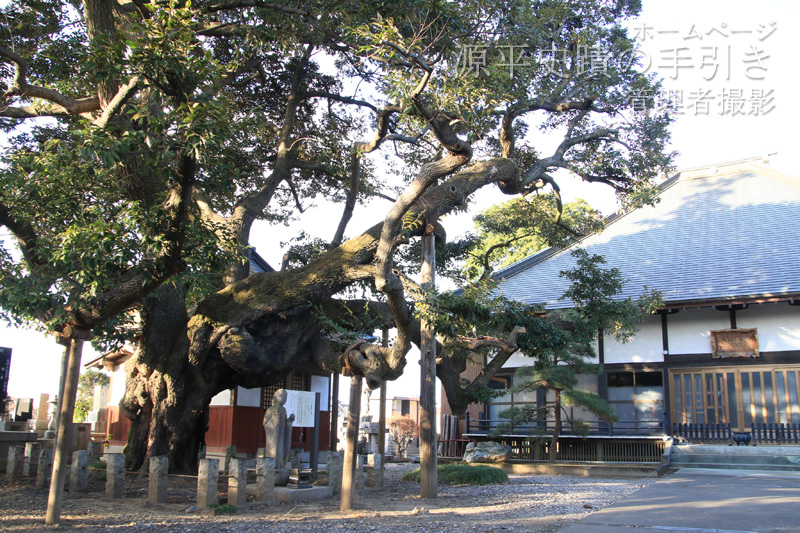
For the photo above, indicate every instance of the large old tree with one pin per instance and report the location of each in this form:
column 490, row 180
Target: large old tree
column 144, row 140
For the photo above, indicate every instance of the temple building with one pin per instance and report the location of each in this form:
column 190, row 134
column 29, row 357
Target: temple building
column 721, row 246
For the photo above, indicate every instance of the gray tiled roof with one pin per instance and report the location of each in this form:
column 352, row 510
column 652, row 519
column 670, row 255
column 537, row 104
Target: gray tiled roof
column 719, row 233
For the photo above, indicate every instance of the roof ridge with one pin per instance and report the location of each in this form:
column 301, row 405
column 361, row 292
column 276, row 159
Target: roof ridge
column 711, row 166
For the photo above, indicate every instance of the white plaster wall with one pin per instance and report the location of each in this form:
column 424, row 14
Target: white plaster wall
column 248, row 397
column 222, row 398
column 690, row 329
column 778, row 325
column 321, row 384
column 517, row 360
column 645, row 347
column 117, row 386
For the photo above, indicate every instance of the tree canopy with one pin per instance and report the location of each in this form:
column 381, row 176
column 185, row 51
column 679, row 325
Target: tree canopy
column 145, row 138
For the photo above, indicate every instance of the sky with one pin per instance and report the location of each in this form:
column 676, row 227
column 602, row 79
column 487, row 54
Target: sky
column 732, row 66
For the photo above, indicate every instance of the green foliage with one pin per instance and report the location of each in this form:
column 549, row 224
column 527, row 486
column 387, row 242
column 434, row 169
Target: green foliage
column 97, row 469
column 222, row 509
column 85, row 399
column 236, row 112
column 592, row 292
column 463, row 474
column 518, row 228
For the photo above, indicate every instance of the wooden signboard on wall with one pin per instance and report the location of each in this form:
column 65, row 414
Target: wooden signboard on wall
column 727, row 343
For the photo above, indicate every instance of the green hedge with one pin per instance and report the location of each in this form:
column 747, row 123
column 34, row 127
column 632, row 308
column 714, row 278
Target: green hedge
column 464, row 474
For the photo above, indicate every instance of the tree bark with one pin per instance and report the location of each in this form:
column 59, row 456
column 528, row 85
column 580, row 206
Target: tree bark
column 254, row 332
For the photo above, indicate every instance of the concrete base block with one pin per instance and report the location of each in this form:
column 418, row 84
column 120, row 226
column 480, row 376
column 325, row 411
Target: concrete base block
column 284, row 494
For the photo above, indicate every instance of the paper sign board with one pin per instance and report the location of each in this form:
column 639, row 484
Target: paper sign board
column 301, row 404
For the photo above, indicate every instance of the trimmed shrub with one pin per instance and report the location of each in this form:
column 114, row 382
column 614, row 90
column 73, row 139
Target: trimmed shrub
column 463, row 474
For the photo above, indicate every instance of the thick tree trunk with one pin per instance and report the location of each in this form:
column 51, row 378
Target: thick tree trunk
column 254, row 332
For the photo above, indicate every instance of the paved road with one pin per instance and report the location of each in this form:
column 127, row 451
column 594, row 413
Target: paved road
column 704, row 501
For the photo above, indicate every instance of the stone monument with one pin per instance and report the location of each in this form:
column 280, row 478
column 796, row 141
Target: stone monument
column 51, row 414
column 278, row 429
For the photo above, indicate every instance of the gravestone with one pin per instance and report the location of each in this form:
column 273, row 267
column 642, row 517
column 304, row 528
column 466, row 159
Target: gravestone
column 32, row 450
column 79, row 480
column 44, row 470
column 15, row 463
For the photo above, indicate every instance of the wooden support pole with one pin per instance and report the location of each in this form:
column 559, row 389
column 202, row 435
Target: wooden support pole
column 65, row 342
column 382, row 418
column 382, row 433
column 64, row 435
column 350, row 454
column 427, row 394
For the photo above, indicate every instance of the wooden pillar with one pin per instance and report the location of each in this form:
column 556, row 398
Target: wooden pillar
column 427, row 394
column 350, row 454
column 65, row 428
column 334, row 444
column 665, row 373
column 382, row 433
column 65, row 342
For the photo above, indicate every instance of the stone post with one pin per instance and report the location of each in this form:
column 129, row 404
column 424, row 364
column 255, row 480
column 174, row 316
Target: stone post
column 361, row 480
column 207, row 479
column 115, row 475
column 237, row 482
column 79, row 477
column 157, row 479
column 265, row 480
column 95, row 450
column 16, row 461
column 31, row 459
column 375, row 462
column 294, row 458
column 334, row 467
column 230, row 453
column 44, row 469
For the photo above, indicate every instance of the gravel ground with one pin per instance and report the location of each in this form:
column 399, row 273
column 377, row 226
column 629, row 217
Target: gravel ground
column 526, row 503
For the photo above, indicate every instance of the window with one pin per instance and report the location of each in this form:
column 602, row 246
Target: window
column 637, row 398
